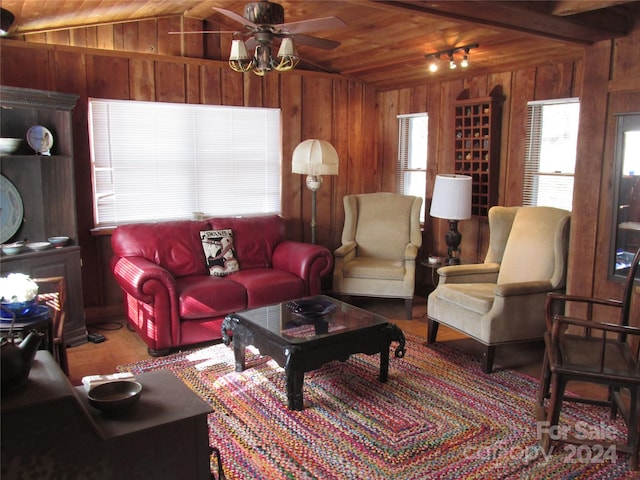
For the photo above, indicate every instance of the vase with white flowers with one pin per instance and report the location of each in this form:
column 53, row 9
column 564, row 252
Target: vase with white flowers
column 18, row 295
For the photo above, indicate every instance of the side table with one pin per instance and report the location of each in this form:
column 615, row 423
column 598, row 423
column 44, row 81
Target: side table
column 49, row 430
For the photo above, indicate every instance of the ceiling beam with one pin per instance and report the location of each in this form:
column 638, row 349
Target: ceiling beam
column 515, row 16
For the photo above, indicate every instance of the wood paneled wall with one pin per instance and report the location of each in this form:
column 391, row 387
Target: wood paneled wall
column 132, row 61
column 313, row 105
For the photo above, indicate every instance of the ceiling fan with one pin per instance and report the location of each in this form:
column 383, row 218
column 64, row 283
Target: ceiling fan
column 264, row 23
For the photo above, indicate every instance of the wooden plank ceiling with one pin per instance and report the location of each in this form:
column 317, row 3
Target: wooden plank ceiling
column 384, row 43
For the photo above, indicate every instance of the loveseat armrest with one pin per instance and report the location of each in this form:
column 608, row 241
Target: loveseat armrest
column 474, row 273
column 308, row 261
column 133, row 274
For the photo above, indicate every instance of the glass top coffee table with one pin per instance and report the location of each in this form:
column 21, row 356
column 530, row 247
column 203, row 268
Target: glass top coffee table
column 304, row 334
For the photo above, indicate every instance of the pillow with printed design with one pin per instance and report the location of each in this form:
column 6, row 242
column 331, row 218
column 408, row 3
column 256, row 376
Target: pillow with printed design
column 219, row 251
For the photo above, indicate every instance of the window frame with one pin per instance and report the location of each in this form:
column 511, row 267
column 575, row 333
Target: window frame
column 405, row 157
column 197, row 156
column 532, row 173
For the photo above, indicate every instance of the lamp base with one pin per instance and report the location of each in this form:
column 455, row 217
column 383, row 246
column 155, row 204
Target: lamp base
column 453, row 239
column 452, row 261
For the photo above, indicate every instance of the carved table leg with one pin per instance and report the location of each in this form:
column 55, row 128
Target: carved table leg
column 295, row 378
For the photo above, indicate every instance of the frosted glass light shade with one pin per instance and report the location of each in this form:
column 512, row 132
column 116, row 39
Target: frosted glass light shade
column 315, row 157
column 451, row 197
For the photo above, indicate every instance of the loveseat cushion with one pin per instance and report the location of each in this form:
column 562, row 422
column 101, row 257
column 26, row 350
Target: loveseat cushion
column 254, row 238
column 174, row 246
column 204, row 296
column 266, row 286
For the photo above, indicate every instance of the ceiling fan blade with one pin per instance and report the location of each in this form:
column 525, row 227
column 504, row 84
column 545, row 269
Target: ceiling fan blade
column 312, row 25
column 204, row 31
column 236, row 17
column 315, row 42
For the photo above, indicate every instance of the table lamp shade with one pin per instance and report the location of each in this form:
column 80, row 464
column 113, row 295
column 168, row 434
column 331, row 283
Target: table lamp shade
column 315, row 157
column 451, row 197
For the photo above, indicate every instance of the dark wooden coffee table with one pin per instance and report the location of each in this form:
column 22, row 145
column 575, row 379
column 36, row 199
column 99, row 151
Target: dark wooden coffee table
column 301, row 343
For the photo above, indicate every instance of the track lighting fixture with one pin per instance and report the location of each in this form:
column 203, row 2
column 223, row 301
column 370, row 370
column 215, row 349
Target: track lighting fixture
column 434, row 64
column 434, row 58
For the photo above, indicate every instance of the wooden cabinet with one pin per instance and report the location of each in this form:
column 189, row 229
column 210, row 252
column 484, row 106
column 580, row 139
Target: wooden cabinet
column 46, row 187
column 477, row 149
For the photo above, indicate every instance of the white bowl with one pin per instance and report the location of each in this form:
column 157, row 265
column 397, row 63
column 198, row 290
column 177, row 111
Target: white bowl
column 58, row 242
column 9, row 145
column 37, row 246
column 12, row 248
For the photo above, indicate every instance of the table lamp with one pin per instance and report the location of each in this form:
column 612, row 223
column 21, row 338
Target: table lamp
column 452, row 201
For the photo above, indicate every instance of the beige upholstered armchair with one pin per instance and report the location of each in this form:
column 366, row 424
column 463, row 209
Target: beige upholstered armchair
column 502, row 300
column 380, row 242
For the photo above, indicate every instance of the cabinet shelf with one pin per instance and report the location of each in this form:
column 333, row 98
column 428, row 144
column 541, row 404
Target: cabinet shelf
column 476, row 149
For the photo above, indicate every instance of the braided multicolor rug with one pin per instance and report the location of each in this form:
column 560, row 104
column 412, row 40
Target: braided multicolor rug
column 437, row 417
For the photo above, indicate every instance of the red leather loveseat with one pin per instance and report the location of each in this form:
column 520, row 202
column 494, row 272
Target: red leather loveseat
column 172, row 300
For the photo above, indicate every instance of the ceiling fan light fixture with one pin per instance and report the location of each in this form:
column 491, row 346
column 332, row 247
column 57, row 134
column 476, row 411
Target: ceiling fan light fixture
column 262, row 61
column 287, row 56
column 6, row 21
column 239, row 60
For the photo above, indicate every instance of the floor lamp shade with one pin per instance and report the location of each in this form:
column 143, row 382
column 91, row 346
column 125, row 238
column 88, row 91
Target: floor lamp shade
column 314, row 158
column 452, row 201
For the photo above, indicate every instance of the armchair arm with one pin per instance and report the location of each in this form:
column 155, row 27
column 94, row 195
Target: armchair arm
column 308, row 261
column 346, row 250
column 522, row 288
column 474, row 273
column 410, row 252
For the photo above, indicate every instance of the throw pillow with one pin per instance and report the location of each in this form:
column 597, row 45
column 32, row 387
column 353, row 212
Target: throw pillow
column 219, row 251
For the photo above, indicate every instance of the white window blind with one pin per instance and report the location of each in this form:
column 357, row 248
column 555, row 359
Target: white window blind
column 411, row 167
column 552, row 134
column 155, row 161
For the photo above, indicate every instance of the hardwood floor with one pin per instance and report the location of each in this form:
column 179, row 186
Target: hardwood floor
column 123, row 346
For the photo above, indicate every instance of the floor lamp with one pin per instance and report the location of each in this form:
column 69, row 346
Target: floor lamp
column 314, row 158
column 452, row 201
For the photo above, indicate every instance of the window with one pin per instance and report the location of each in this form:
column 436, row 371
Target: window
column 411, row 173
column 155, row 161
column 552, row 135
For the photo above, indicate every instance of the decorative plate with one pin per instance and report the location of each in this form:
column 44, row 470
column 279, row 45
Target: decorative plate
column 40, row 139
column 11, row 209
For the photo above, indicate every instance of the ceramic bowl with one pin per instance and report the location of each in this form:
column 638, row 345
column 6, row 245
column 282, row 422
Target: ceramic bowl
column 58, row 242
column 12, row 248
column 9, row 145
column 115, row 396
column 19, row 309
column 37, row 246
